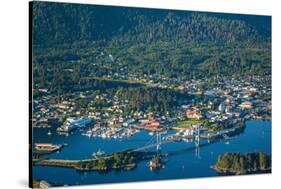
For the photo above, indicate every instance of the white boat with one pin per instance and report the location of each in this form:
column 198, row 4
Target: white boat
column 103, row 135
column 89, row 133
column 187, row 140
column 63, row 133
column 123, row 134
column 151, row 133
column 49, row 133
column 47, row 147
column 99, row 153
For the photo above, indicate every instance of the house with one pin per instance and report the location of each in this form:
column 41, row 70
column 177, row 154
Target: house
column 246, row 104
column 222, row 108
column 113, row 121
column 154, row 123
column 144, row 121
column 128, row 122
column 209, row 115
column 193, row 114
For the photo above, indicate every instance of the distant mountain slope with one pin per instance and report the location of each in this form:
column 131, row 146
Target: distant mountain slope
column 167, row 43
column 59, row 23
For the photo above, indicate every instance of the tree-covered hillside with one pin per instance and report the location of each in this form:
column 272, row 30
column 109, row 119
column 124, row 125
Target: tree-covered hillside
column 105, row 40
column 243, row 163
column 58, row 23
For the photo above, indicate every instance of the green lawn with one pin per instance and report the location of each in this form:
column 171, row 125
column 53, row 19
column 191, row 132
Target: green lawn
column 187, row 123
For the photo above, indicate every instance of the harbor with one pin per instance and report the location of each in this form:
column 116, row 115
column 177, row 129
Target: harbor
column 110, row 132
column 142, row 95
column 256, row 136
column 72, row 124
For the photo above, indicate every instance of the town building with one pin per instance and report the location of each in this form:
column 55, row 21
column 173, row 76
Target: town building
column 193, row 114
column 246, row 104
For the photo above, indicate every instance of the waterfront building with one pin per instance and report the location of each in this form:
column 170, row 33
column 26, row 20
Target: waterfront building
column 154, row 123
column 72, row 124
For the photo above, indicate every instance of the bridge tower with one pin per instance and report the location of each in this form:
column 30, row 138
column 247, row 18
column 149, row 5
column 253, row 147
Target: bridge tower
column 197, row 141
column 197, row 136
column 158, row 140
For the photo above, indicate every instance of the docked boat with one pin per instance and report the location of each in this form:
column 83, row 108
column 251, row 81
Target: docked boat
column 151, row 133
column 47, row 147
column 89, row 133
column 98, row 154
column 103, row 135
column 187, row 139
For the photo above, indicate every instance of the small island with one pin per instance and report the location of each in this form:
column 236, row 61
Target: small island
column 239, row 164
column 126, row 160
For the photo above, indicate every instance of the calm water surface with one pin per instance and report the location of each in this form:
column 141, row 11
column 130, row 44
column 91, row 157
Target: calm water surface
column 183, row 161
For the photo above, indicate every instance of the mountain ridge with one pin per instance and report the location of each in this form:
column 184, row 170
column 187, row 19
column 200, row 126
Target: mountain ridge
column 59, row 23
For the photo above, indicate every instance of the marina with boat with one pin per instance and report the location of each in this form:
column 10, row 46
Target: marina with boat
column 72, row 124
column 172, row 150
column 110, row 132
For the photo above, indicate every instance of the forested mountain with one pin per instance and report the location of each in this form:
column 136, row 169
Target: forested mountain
column 59, row 23
column 105, row 40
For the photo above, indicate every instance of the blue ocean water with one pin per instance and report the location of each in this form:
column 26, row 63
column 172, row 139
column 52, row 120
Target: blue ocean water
column 184, row 160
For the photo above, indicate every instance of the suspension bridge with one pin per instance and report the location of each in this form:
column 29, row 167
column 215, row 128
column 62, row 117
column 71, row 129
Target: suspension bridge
column 156, row 141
